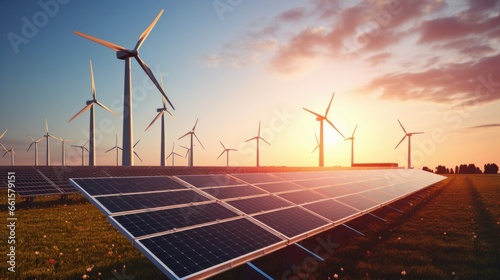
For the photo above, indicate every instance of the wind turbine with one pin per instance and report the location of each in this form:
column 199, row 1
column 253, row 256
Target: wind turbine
column 135, row 153
column 191, row 132
column 173, row 154
column 36, row 148
column 47, row 137
column 161, row 112
column 322, row 118
column 12, row 154
column 63, row 152
column 117, row 148
column 258, row 138
column 125, row 54
column 409, row 135
column 317, row 143
column 90, row 105
column 225, row 151
column 83, row 151
column 352, row 144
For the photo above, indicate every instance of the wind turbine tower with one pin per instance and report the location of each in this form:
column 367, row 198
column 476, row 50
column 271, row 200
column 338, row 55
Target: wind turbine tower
column 192, row 133
column 257, row 138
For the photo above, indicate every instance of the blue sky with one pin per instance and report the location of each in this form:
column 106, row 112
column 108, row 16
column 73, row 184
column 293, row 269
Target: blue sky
column 433, row 65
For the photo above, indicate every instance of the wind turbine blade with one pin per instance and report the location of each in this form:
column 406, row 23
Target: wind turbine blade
column 55, row 137
column 31, row 138
column 157, row 117
column 137, row 155
column 400, row 141
column 402, row 127
column 222, row 145
column 315, row 149
column 106, row 108
column 194, row 127
column 137, row 142
column 146, row 32
column 314, row 113
column 169, row 155
column 258, row 132
column 251, row 139
column 41, row 138
column 3, row 147
column 162, row 85
column 3, row 133
column 417, row 132
column 354, row 130
column 199, row 141
column 30, row 146
column 221, row 154
column 316, row 136
column 264, row 141
column 92, row 80
column 81, row 111
column 177, row 154
column 184, row 135
column 111, row 149
column 335, row 128
column 165, row 109
column 102, row 42
column 46, row 126
column 148, row 71
column 116, row 140
column 330, row 104
column 86, row 149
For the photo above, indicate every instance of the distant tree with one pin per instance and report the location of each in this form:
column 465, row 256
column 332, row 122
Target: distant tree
column 471, row 168
column 463, row 169
column 425, row 168
column 490, row 168
column 456, row 169
column 441, row 169
column 451, row 171
column 478, row 170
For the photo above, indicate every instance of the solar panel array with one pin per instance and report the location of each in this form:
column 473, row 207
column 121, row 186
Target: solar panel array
column 200, row 225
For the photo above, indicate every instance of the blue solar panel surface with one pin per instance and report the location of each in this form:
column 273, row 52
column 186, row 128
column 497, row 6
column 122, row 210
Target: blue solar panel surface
column 192, row 226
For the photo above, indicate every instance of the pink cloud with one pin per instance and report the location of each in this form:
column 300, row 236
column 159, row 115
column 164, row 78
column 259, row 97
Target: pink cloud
column 459, row 83
column 294, row 14
column 378, row 58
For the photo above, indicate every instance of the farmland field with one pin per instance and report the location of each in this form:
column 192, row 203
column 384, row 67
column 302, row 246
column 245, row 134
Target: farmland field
column 451, row 232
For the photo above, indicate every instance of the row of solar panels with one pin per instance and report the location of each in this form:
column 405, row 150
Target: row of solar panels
column 201, row 225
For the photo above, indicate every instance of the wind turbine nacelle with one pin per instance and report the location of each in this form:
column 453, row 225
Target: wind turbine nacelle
column 126, row 54
column 89, row 102
column 159, row 110
column 319, row 119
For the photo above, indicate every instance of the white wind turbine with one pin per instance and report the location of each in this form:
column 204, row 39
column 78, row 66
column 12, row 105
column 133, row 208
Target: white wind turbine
column 90, row 105
column 161, row 113
column 125, row 54
column 322, row 118
column 84, row 148
column 226, row 150
column 47, row 137
column 409, row 135
column 117, row 148
column 192, row 133
column 36, row 148
column 352, row 145
column 258, row 138
column 173, row 154
column 12, row 154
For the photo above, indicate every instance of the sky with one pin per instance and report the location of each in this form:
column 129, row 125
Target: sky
column 231, row 64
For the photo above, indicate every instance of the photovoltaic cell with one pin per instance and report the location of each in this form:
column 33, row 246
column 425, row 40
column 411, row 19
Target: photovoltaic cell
column 334, row 191
column 202, row 181
column 103, row 186
column 359, row 202
column 331, row 209
column 236, row 191
column 258, row 204
column 313, row 183
column 188, row 252
column 145, row 223
column 300, row 197
column 122, row 203
column 256, row 178
column 292, row 221
column 377, row 196
column 280, row 187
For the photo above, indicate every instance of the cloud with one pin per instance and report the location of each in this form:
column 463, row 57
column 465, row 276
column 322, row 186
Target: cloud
column 463, row 84
column 490, row 125
column 292, row 15
column 378, row 58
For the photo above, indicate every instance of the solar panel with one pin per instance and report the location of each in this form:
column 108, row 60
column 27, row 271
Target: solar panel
column 202, row 181
column 102, row 186
column 195, row 226
column 280, row 187
column 140, row 224
column 292, row 221
column 300, row 197
column 258, row 204
column 236, row 191
column 189, row 252
column 121, row 203
column 331, row 209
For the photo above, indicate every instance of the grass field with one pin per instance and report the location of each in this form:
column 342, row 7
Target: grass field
column 452, row 233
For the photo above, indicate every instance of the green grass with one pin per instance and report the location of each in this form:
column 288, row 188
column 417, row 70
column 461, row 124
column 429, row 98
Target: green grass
column 77, row 237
